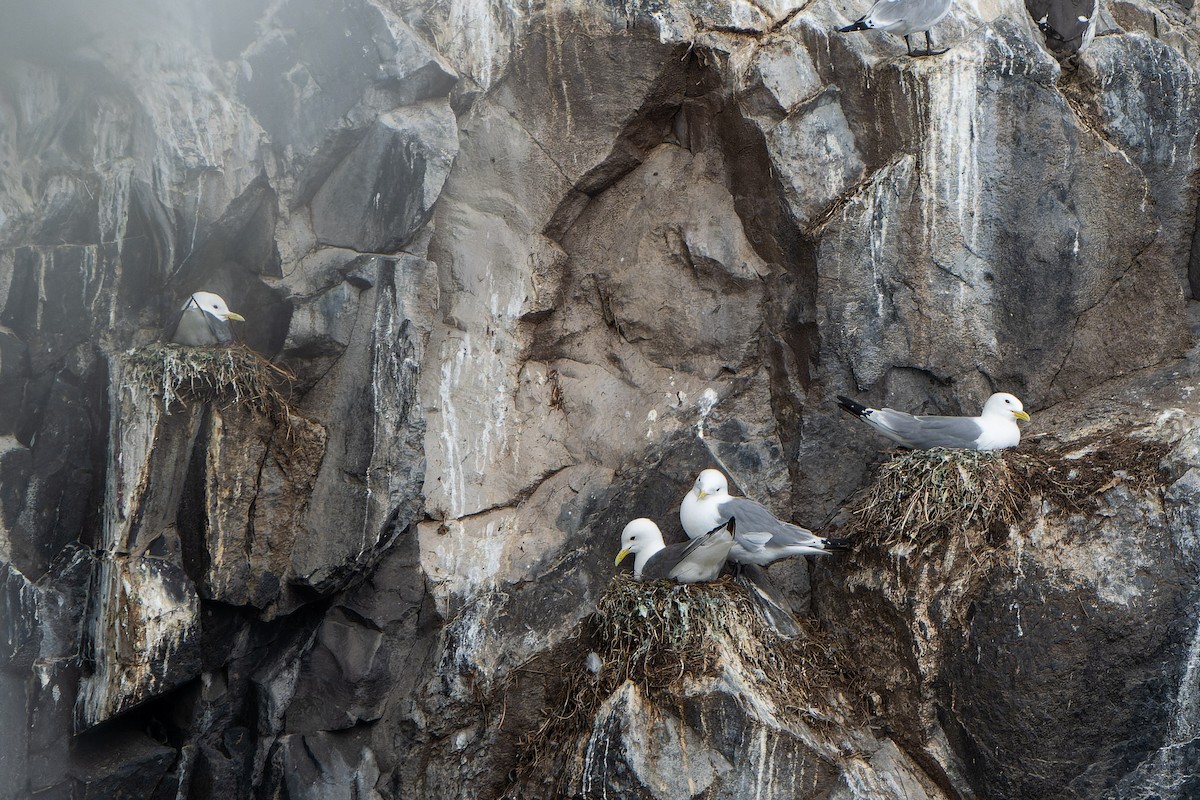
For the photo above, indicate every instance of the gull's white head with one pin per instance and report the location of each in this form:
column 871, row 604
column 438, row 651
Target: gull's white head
column 711, row 482
column 640, row 536
column 1003, row 404
column 213, row 304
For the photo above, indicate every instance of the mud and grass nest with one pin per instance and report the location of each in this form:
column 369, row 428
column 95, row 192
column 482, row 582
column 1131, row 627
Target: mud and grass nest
column 919, row 499
column 223, row 375
column 659, row 636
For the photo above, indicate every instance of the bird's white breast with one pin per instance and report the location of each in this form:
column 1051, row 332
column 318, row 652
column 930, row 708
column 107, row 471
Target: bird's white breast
column 698, row 517
column 998, row 434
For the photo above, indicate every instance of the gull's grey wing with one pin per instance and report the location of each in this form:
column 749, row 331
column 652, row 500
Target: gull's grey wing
column 922, row 433
column 912, row 15
column 701, row 559
column 754, row 518
column 193, row 326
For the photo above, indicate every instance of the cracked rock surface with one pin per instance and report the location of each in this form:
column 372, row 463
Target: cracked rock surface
column 532, row 267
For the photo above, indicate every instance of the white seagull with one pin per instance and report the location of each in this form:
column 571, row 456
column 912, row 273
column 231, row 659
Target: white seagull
column 761, row 538
column 903, row 18
column 994, row 429
column 697, row 561
column 203, row 321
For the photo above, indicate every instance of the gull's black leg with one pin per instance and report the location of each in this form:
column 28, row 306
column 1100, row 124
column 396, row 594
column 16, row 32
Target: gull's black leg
column 929, row 51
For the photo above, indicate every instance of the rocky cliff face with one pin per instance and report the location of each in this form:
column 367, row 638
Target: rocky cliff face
column 532, row 266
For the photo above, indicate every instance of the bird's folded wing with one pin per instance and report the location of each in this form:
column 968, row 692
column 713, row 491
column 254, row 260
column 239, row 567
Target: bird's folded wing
column 753, row 519
column 925, row 432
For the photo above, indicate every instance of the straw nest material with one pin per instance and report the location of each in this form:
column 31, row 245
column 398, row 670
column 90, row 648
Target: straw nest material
column 179, row 374
column 920, row 498
column 661, row 636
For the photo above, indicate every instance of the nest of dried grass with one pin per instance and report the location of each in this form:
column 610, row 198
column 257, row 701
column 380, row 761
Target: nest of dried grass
column 660, row 636
column 920, row 498
column 224, row 375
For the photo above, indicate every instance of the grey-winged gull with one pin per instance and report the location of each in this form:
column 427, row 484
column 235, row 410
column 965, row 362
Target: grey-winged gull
column 761, row 537
column 903, row 18
column 697, row 561
column 994, row 429
column 203, row 321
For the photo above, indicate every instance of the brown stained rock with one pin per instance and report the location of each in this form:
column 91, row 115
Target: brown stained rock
column 257, row 481
column 662, row 260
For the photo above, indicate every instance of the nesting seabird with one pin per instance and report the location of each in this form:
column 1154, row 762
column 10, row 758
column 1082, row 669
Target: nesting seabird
column 994, row 429
column 697, row 561
column 761, row 537
column 903, row 18
column 203, row 321
column 1068, row 25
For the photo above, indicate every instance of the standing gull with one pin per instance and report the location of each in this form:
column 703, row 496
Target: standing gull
column 904, row 18
column 994, row 429
column 761, row 538
column 203, row 321
column 697, row 561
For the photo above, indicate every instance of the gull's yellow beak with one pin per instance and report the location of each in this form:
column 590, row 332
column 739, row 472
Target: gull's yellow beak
column 620, row 557
column 1021, row 415
column 233, row 315
column 702, row 494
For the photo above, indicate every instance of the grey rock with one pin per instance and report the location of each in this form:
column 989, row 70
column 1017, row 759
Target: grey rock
column 384, row 190
column 323, row 766
column 799, row 214
column 123, row 767
column 154, row 609
column 303, row 83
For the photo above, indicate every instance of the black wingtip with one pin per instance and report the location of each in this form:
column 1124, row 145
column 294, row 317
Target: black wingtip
column 728, row 524
column 836, row 544
column 852, row 407
column 857, row 25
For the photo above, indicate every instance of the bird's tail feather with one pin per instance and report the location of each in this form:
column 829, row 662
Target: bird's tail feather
column 852, row 407
column 857, row 25
column 769, row 602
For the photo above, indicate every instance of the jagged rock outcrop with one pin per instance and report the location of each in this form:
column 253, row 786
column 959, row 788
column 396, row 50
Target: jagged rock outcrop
column 531, row 268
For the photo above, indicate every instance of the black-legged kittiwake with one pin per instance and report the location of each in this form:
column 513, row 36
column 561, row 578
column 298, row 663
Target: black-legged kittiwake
column 697, row 561
column 761, row 537
column 994, row 429
column 203, row 320
column 903, row 18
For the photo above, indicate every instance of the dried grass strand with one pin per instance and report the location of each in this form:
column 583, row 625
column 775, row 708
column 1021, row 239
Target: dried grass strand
column 179, row 374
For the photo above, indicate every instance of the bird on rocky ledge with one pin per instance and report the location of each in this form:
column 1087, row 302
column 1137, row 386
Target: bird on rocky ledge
column 203, row 321
column 904, row 18
column 994, row 429
column 697, row 561
column 761, row 538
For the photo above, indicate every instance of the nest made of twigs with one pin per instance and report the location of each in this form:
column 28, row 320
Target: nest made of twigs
column 660, row 636
column 180, row 374
column 920, row 498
